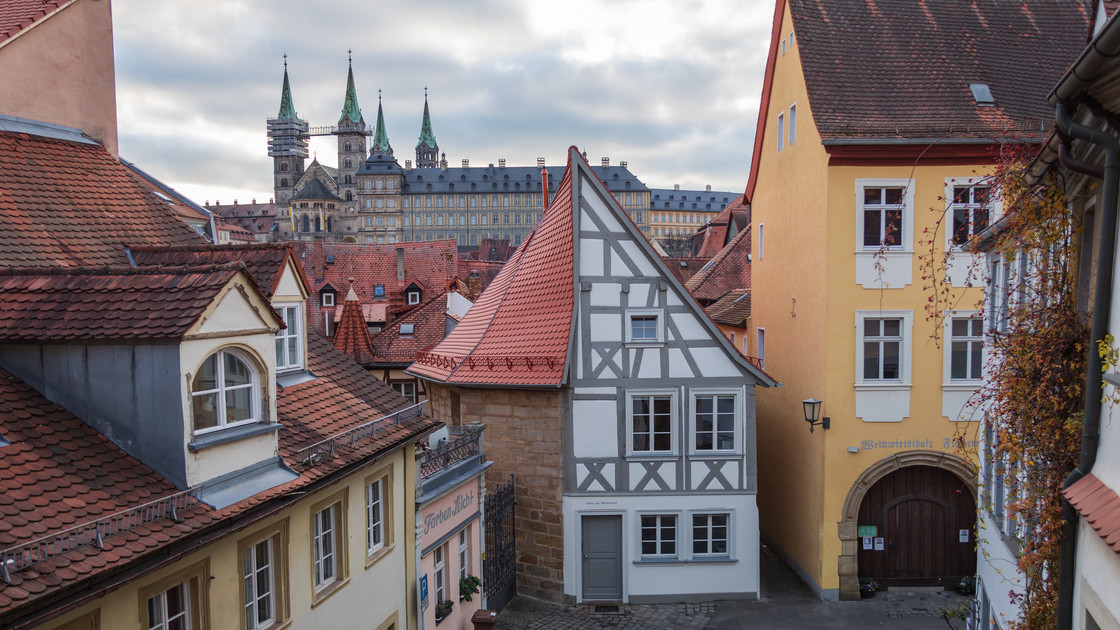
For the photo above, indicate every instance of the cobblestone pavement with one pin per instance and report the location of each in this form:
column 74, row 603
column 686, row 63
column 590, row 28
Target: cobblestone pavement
column 786, row 604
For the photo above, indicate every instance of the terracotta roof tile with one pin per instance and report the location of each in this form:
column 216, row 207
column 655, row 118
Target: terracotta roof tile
column 17, row 15
column 684, row 267
column 429, row 327
column 729, row 270
column 106, row 303
column 68, row 204
column 263, row 261
column 733, row 309
column 733, row 219
column 352, row 334
column 1099, row 505
column 907, row 74
column 517, row 331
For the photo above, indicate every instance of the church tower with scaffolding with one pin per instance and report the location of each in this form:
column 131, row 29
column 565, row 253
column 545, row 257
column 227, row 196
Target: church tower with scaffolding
column 288, row 139
column 351, row 132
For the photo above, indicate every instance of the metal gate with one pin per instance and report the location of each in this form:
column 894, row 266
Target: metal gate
column 499, row 569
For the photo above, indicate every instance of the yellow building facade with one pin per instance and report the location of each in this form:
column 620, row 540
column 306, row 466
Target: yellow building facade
column 848, row 199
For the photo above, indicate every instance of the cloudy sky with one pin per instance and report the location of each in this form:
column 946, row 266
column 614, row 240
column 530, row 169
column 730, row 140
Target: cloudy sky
column 670, row 86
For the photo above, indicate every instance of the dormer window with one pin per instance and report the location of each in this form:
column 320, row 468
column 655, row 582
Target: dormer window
column 328, row 298
column 289, row 341
column 378, row 290
column 226, row 392
column 413, row 297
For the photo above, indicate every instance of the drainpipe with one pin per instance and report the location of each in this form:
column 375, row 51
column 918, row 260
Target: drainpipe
column 1102, row 299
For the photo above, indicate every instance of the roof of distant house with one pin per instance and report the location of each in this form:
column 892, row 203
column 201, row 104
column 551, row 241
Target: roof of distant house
column 730, row 269
column 264, row 261
column 19, row 15
column 733, row 309
column 733, row 219
column 110, row 302
column 685, row 267
column 428, row 324
column 689, row 200
column 69, row 204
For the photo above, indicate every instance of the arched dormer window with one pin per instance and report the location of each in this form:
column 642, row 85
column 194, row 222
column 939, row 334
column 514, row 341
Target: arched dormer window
column 226, row 391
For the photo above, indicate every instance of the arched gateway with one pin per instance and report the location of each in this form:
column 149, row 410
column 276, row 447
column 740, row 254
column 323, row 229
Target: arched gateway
column 917, row 512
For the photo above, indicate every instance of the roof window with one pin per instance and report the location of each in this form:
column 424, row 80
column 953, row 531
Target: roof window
column 408, row 329
column 982, row 94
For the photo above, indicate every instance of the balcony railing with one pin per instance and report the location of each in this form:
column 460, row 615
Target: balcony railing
column 450, row 453
column 325, row 449
column 19, row 557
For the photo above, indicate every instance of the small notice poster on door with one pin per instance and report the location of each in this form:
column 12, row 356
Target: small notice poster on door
column 963, row 535
column 879, row 546
column 867, row 543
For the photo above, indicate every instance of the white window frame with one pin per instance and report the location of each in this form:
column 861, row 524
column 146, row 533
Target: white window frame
column 737, row 421
column 328, row 297
column 413, row 297
column 439, row 569
column 906, row 329
column 781, row 131
column 906, row 239
column 160, row 599
column 761, row 240
column 401, row 386
column 950, row 340
column 324, row 541
column 283, row 360
column 710, row 540
column 254, row 387
column 759, row 346
column 674, row 438
column 375, row 515
column 252, row 570
column 791, row 124
column 659, row 325
column 658, row 528
column 464, row 554
column 995, row 206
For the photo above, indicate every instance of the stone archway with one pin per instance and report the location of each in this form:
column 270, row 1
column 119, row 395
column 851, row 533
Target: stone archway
column 848, row 564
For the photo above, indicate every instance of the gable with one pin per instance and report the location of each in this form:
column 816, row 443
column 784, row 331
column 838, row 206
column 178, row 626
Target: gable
column 290, row 285
column 237, row 309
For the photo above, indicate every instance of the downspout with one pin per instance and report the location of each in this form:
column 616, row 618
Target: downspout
column 1094, row 384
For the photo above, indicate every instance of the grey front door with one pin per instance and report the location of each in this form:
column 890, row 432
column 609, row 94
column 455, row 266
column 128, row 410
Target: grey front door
column 602, row 557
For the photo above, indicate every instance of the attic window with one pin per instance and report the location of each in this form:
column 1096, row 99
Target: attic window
column 413, row 297
column 982, row 94
column 378, row 290
column 330, row 259
column 407, row 329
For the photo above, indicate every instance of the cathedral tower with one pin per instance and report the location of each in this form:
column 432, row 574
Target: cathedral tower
column 351, row 132
column 287, row 145
column 427, row 150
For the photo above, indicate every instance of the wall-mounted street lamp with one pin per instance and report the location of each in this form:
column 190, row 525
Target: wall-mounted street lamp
column 813, row 413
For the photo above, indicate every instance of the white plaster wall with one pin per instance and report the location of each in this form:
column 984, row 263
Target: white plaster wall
column 1098, row 568
column 682, row 578
column 997, row 569
column 603, row 294
column 882, row 404
column 590, row 257
column 897, row 269
column 594, row 428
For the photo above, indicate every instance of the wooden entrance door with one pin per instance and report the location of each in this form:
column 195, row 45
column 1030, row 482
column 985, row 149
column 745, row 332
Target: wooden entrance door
column 926, row 518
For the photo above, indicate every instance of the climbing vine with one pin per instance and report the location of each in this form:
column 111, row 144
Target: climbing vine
column 1032, row 399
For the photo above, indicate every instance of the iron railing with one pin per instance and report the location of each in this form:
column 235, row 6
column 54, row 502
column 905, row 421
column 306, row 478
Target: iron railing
column 449, row 453
column 19, row 557
column 325, row 449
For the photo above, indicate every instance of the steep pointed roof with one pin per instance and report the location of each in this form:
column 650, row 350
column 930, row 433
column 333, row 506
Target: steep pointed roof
column 350, row 109
column 287, row 108
column 380, row 136
column 314, row 189
column 426, row 136
column 352, row 335
column 517, row 332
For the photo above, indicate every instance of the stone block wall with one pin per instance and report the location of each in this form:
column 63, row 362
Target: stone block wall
column 523, row 438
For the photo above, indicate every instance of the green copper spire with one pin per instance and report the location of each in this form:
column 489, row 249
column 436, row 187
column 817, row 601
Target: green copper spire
column 426, row 135
column 380, row 137
column 350, row 109
column 287, row 110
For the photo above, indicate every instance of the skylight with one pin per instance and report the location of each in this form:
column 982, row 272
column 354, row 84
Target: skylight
column 163, row 197
column 982, row 94
column 407, row 329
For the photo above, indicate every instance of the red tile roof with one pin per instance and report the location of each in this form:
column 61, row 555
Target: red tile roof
column 729, row 270
column 1099, row 505
column 733, row 309
column 264, row 261
column 258, row 218
column 486, row 270
column 108, row 303
column 430, row 264
column 907, row 75
column 429, row 326
column 17, row 15
column 69, row 204
column 517, row 331
column 352, row 334
column 733, row 219
column 685, row 267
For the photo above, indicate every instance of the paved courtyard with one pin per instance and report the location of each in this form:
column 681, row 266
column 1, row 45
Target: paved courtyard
column 786, row 604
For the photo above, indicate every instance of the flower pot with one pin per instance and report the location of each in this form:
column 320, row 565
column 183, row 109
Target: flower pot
column 866, row 594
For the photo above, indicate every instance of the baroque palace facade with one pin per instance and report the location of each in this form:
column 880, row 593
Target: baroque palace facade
column 371, row 198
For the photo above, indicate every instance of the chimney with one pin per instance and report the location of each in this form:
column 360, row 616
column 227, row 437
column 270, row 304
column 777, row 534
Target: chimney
column 255, row 199
column 408, row 165
column 400, row 264
column 501, row 162
column 466, row 163
column 235, row 202
column 474, row 284
column 708, row 188
column 622, row 164
column 544, row 183
column 443, row 161
column 207, row 203
column 606, row 161
column 676, row 186
column 270, row 200
column 540, row 162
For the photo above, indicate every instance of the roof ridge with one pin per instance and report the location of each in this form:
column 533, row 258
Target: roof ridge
column 121, row 270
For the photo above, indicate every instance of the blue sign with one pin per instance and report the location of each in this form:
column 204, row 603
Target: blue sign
column 423, row 592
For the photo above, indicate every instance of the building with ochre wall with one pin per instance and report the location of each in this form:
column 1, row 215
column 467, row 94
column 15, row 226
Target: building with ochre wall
column 861, row 148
